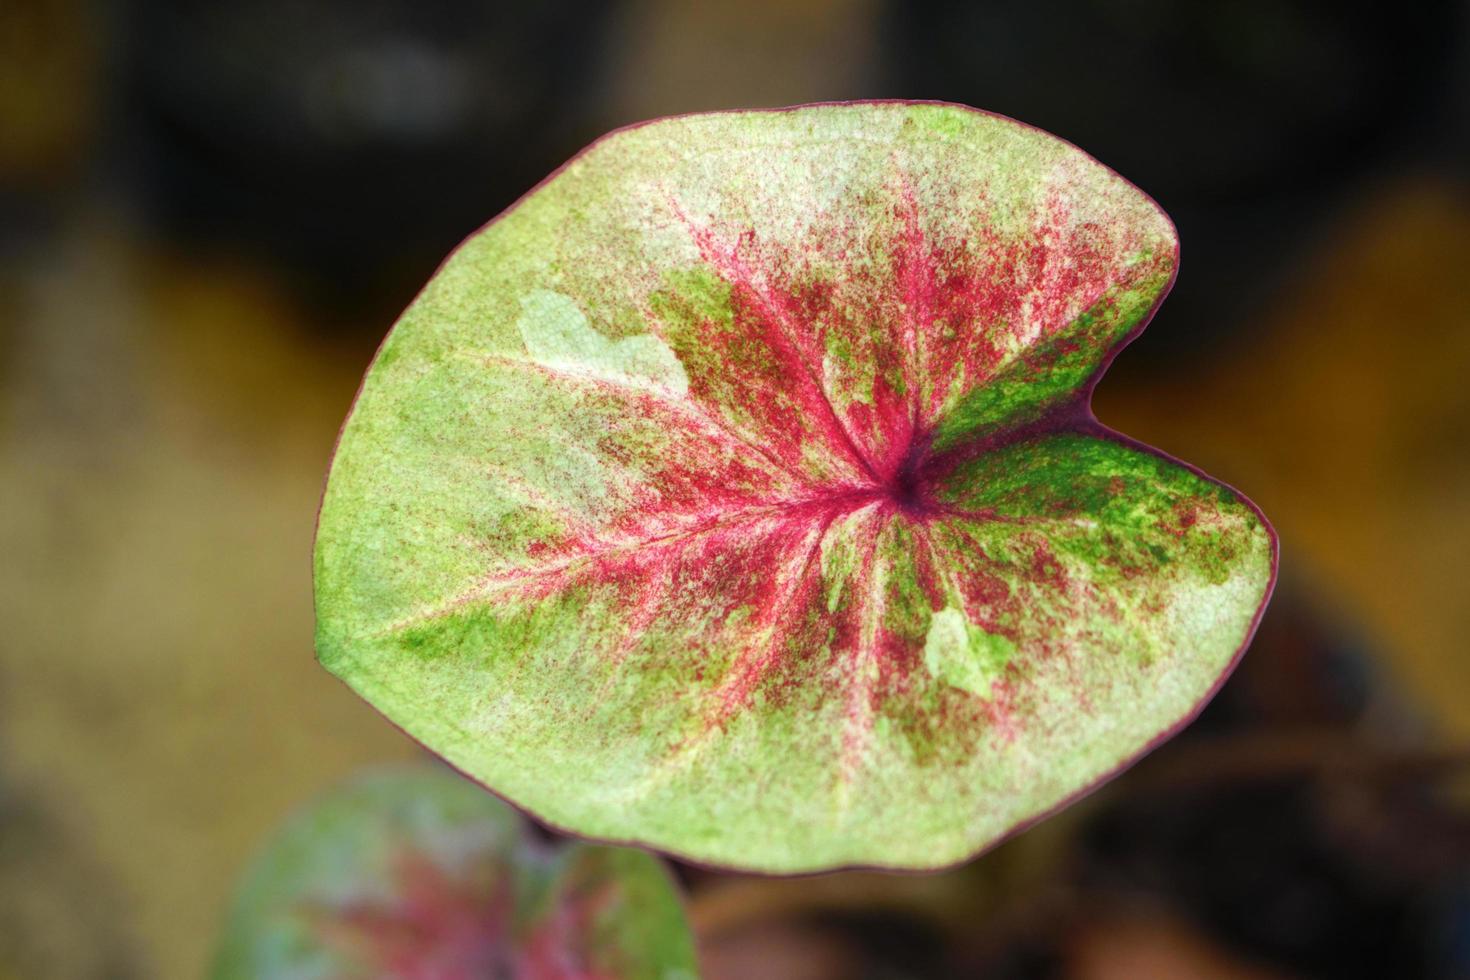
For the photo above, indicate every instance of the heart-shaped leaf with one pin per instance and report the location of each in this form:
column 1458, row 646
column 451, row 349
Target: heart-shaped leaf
column 737, row 492
column 419, row 875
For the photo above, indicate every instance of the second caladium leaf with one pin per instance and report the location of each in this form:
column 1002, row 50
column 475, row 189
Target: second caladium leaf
column 737, row 493
column 416, row 874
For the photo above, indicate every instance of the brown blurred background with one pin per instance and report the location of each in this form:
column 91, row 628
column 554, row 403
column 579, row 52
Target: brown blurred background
column 210, row 213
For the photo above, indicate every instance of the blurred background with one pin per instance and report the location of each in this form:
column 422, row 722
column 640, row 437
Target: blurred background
column 211, row 212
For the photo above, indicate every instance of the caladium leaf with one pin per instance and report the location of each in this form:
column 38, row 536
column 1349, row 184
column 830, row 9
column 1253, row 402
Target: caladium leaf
column 417, row 874
column 737, row 492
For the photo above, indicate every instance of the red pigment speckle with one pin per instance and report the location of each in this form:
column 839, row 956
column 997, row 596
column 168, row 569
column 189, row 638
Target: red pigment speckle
column 1186, row 515
column 1045, row 568
column 1000, row 708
